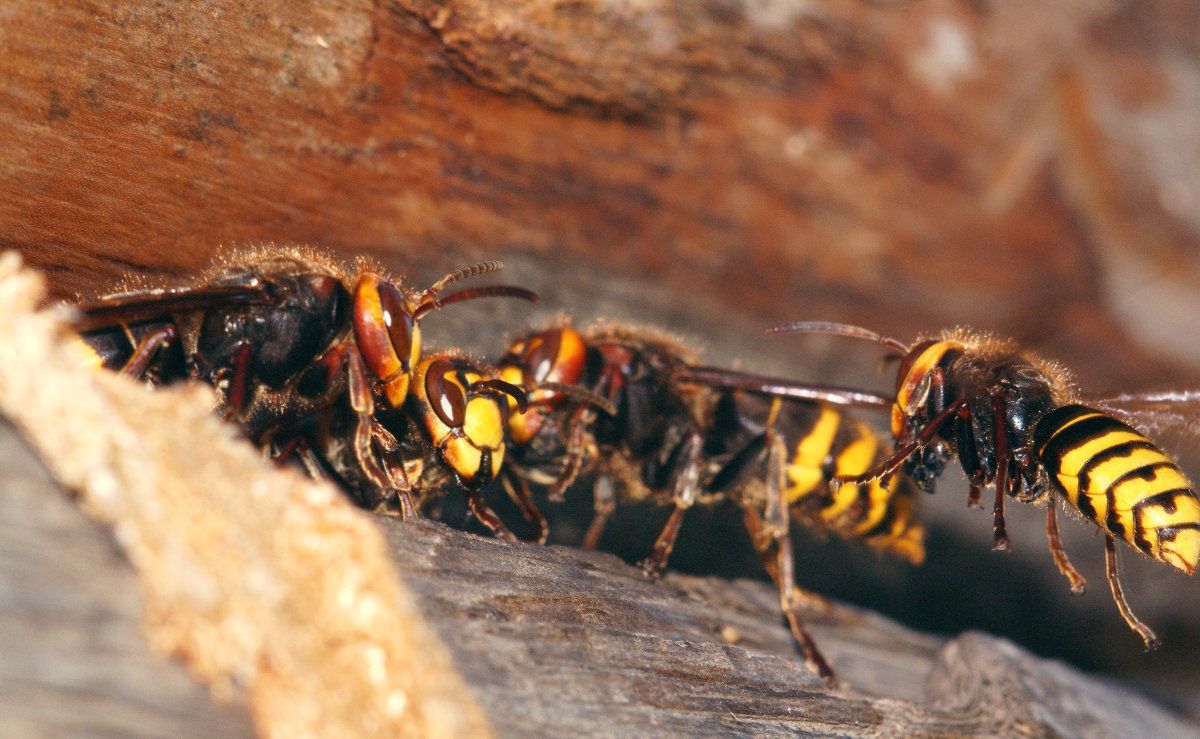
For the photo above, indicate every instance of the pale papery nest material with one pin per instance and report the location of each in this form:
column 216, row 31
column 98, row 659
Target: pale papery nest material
column 265, row 583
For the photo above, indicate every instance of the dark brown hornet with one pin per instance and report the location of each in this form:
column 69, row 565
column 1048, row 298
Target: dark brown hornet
column 633, row 408
column 1015, row 420
column 311, row 359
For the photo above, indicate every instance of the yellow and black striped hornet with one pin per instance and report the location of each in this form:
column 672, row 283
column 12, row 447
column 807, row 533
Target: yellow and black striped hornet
column 1015, row 420
column 634, row 408
column 312, row 359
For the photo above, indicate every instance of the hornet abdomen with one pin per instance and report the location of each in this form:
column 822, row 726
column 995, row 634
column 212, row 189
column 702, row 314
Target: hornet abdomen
column 1122, row 481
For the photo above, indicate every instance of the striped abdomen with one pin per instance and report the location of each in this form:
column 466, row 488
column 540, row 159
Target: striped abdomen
column 112, row 347
column 1123, row 482
column 883, row 517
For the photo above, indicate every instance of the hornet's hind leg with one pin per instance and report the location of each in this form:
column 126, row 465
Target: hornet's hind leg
column 771, row 536
column 1135, row 623
column 774, row 544
column 687, row 487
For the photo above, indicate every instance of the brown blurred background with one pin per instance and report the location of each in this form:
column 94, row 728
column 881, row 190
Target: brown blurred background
column 713, row 168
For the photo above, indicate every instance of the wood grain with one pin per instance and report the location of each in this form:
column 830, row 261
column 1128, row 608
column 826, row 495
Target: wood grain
column 834, row 162
column 559, row 641
column 711, row 168
column 552, row 641
column 75, row 660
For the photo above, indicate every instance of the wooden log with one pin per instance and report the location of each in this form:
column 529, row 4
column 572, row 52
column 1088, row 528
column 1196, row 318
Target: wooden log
column 75, row 661
column 712, row 169
column 912, row 167
column 558, row 641
column 552, row 641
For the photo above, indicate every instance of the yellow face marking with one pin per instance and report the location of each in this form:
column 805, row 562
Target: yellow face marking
column 463, row 456
column 805, row 472
column 512, row 373
column 522, row 427
column 396, row 389
column 497, row 461
column 483, row 424
column 906, row 387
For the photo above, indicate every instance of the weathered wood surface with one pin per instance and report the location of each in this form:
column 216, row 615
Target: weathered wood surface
column 712, row 168
column 74, row 660
column 1016, row 167
column 552, row 642
column 560, row 642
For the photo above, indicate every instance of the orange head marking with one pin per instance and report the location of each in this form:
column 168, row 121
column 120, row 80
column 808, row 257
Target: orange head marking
column 556, row 355
column 385, row 322
column 387, row 335
column 553, row 356
column 914, row 379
